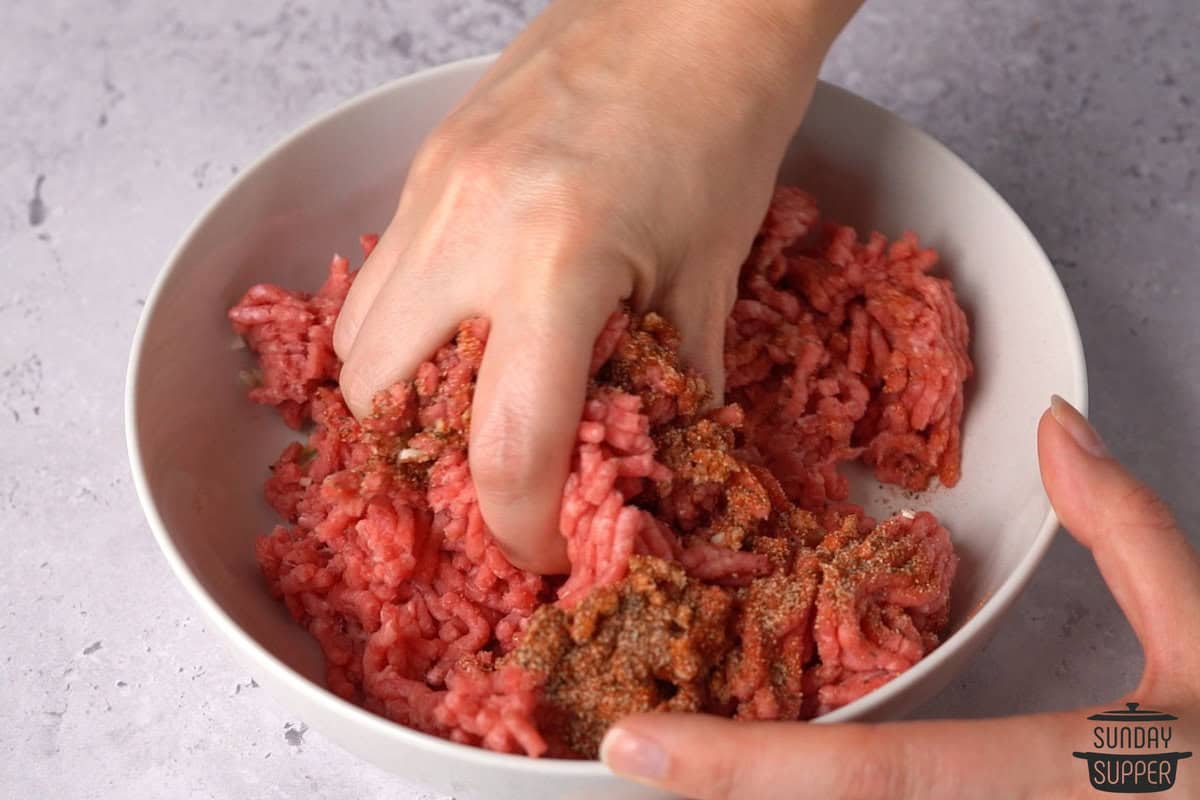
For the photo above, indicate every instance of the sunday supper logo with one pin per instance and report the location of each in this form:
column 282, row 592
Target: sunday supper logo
column 1132, row 752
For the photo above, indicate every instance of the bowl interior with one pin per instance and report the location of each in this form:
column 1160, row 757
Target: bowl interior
column 200, row 450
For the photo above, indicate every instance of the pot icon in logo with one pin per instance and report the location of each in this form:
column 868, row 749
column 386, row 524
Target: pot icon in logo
column 1132, row 752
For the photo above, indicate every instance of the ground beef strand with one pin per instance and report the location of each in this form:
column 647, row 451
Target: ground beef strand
column 716, row 563
column 647, row 643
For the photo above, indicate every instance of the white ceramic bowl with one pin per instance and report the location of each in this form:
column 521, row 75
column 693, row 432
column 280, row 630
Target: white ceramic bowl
column 199, row 450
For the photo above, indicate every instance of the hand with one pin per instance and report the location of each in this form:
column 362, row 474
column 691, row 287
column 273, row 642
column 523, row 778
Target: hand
column 1152, row 571
column 618, row 150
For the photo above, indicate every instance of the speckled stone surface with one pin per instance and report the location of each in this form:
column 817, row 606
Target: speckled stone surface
column 123, row 119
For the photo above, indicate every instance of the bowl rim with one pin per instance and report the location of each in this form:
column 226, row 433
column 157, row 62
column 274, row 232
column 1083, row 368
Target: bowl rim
column 986, row 614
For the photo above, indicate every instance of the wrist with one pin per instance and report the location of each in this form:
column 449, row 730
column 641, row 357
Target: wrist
column 782, row 45
column 755, row 59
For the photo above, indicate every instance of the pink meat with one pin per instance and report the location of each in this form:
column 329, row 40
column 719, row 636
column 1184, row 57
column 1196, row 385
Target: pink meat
column 835, row 350
column 880, row 605
column 841, row 349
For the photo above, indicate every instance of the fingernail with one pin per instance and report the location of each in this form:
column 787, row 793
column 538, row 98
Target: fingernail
column 1077, row 425
column 628, row 754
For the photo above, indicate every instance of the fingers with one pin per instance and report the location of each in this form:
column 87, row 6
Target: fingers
column 384, row 260
column 1151, row 569
column 711, row 758
column 367, row 284
column 528, row 402
column 700, row 318
column 411, row 316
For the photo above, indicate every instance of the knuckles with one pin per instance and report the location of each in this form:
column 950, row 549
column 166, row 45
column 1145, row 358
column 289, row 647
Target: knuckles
column 548, row 216
column 521, row 171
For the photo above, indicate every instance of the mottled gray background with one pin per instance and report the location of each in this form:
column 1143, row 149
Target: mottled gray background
column 122, row 120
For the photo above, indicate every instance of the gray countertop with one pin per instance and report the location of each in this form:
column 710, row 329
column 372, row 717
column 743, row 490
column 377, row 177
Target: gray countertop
column 124, row 119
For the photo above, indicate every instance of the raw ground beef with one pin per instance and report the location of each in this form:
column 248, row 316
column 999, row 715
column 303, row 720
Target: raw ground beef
column 716, row 563
column 840, row 349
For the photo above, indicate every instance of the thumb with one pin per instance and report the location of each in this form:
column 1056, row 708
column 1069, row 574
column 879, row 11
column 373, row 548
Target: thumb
column 712, row 758
column 1146, row 560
